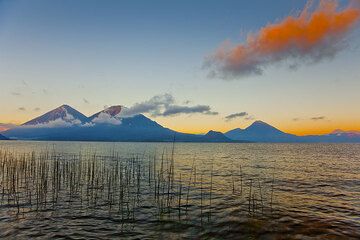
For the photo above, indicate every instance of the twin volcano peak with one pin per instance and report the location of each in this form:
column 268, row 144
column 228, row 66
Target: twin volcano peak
column 112, row 124
column 68, row 114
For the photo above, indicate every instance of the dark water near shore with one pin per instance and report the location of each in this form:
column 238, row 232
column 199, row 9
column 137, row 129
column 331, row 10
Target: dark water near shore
column 79, row 190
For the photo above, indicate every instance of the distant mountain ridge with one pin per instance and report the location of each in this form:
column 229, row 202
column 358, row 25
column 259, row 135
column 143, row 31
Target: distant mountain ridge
column 67, row 124
column 340, row 132
column 260, row 131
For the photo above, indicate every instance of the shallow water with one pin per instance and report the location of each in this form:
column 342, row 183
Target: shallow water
column 226, row 191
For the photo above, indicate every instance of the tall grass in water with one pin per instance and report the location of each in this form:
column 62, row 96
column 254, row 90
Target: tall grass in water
column 125, row 186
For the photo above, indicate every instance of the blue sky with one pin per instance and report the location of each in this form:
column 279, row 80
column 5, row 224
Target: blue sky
column 89, row 54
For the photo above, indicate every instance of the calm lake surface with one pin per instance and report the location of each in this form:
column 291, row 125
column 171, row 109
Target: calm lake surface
column 87, row 190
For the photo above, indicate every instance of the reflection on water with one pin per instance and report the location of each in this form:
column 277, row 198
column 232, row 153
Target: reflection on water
column 189, row 190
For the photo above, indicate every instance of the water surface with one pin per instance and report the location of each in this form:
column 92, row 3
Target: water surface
column 186, row 190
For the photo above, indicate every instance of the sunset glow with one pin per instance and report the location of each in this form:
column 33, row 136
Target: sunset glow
column 289, row 66
column 182, row 119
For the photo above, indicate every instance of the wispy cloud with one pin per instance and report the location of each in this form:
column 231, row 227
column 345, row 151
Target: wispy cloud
column 236, row 115
column 15, row 93
column 318, row 118
column 22, row 109
column 24, row 83
column 164, row 105
column 176, row 109
column 37, row 109
column 308, row 37
column 58, row 123
column 248, row 118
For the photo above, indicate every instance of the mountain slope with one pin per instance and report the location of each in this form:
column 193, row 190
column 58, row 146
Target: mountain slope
column 234, row 133
column 63, row 113
column 3, row 137
column 113, row 111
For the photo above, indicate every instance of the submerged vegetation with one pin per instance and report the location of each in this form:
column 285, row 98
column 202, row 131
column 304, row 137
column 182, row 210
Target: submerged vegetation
column 127, row 187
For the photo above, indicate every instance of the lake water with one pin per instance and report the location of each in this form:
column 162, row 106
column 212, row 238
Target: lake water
column 87, row 190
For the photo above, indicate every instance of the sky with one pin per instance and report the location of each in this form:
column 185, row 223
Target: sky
column 209, row 65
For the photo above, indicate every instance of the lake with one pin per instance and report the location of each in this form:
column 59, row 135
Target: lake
column 89, row 190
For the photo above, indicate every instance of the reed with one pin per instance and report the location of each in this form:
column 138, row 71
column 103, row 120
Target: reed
column 211, row 189
column 189, row 186
column 123, row 186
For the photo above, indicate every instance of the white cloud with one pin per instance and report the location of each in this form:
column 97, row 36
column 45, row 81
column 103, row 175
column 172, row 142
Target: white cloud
column 104, row 118
column 57, row 123
column 70, row 119
column 67, row 121
column 88, row 124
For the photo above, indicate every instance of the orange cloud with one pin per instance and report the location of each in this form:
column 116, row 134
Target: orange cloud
column 311, row 36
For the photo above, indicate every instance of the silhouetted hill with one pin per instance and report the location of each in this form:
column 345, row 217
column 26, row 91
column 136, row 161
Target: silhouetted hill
column 214, row 136
column 260, row 132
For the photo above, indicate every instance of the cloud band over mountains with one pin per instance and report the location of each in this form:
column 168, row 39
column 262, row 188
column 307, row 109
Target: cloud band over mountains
column 164, row 105
column 310, row 37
